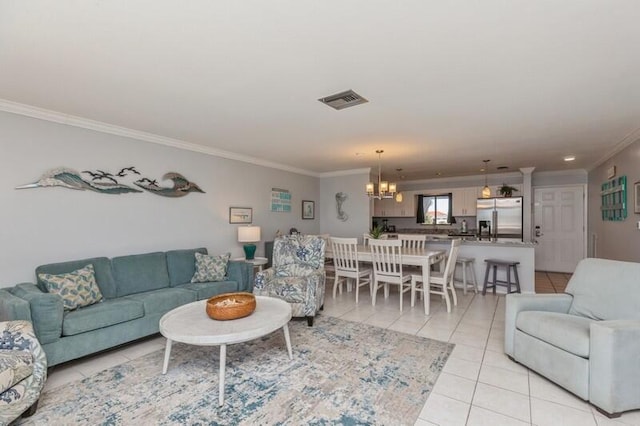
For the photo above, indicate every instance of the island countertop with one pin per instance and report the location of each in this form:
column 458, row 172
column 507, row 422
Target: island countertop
column 505, row 250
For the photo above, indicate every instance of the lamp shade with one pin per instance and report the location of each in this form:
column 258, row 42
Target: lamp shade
column 248, row 234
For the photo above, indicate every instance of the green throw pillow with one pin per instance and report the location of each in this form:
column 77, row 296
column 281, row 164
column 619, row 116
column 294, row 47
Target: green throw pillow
column 210, row 268
column 77, row 288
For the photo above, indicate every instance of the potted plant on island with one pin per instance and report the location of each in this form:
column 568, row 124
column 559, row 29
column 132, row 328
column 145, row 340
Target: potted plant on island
column 376, row 232
column 506, row 190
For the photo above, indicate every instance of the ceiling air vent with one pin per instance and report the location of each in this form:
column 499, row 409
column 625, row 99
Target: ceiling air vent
column 343, row 100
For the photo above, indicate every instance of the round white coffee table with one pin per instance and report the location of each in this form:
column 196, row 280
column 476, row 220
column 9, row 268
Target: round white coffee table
column 190, row 324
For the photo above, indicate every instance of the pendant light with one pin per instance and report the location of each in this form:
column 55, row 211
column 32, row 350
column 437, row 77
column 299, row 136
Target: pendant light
column 385, row 189
column 399, row 194
column 486, row 191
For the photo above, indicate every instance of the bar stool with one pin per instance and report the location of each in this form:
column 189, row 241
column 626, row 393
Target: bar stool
column 467, row 263
column 495, row 263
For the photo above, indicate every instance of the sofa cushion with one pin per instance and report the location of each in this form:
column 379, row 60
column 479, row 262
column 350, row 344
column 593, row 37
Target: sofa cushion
column 140, row 272
column 77, row 288
column 210, row 289
column 105, row 314
column 181, row 265
column 14, row 367
column 101, row 269
column 567, row 332
column 210, row 268
column 605, row 289
column 163, row 300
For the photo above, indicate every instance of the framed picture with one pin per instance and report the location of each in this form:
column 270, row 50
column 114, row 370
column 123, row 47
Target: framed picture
column 636, row 197
column 240, row 215
column 308, row 209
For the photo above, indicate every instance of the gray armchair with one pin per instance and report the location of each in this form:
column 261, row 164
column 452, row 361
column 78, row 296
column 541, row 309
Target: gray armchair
column 586, row 340
column 23, row 370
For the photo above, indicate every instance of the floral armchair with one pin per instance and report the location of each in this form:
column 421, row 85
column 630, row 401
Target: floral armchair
column 297, row 275
column 23, row 370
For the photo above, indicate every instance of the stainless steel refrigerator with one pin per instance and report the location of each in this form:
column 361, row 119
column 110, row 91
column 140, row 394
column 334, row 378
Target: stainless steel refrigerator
column 499, row 218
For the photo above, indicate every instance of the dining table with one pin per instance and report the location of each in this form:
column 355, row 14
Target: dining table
column 424, row 258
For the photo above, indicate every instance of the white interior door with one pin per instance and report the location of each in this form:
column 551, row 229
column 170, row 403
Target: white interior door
column 559, row 228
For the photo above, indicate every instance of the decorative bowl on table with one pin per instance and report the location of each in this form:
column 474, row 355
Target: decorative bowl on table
column 230, row 306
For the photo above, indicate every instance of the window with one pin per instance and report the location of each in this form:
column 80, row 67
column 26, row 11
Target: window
column 434, row 209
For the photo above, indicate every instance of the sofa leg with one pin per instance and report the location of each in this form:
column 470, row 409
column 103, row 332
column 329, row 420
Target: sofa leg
column 310, row 321
column 604, row 413
column 322, row 307
column 31, row 410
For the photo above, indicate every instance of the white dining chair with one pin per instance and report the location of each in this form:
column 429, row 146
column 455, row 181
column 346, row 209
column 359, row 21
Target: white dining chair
column 329, row 269
column 387, row 268
column 417, row 241
column 346, row 266
column 440, row 282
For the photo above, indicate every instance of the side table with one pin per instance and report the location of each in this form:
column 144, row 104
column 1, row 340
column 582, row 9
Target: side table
column 257, row 262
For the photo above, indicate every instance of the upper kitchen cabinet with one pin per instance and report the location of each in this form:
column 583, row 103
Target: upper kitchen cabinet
column 407, row 208
column 389, row 207
column 464, row 201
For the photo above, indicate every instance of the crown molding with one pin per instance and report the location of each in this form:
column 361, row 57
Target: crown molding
column 455, row 179
column 366, row 170
column 622, row 144
column 569, row 172
column 98, row 126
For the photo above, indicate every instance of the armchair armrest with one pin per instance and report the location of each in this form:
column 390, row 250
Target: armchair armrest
column 516, row 303
column 46, row 311
column 261, row 281
column 614, row 371
column 13, row 308
column 242, row 273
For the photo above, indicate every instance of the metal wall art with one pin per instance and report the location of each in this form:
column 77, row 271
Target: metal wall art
column 109, row 183
column 341, row 197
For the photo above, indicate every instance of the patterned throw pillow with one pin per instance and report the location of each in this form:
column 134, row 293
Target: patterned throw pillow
column 210, row 268
column 77, row 288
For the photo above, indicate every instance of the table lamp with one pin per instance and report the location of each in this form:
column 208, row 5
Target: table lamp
column 249, row 234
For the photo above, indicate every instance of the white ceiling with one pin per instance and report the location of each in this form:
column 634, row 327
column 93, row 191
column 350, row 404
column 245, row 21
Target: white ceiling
column 450, row 83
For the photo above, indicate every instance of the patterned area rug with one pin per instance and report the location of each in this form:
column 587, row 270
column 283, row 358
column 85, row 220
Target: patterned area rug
column 342, row 373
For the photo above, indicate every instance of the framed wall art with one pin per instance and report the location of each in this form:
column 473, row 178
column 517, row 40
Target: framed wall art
column 636, row 197
column 240, row 215
column 308, row 209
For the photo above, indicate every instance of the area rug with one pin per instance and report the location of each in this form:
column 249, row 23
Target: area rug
column 342, row 373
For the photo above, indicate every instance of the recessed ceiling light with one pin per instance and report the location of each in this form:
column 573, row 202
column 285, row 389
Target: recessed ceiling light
column 438, row 173
column 569, row 158
column 502, row 167
column 482, row 169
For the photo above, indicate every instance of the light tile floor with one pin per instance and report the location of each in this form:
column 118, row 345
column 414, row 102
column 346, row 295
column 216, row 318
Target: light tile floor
column 479, row 385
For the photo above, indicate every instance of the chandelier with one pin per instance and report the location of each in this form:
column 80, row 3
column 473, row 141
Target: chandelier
column 385, row 189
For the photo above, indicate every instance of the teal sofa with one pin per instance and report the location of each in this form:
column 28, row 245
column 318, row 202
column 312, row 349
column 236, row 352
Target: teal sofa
column 137, row 291
column 586, row 340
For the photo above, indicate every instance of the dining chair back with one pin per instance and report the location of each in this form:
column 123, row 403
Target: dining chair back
column 346, row 266
column 414, row 241
column 440, row 282
column 386, row 256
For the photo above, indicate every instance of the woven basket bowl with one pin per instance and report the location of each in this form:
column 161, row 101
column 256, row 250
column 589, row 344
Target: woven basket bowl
column 217, row 310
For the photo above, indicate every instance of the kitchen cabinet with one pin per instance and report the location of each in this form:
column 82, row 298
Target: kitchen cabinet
column 388, row 207
column 464, row 201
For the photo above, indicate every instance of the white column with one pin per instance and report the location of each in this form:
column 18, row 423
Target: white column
column 527, row 193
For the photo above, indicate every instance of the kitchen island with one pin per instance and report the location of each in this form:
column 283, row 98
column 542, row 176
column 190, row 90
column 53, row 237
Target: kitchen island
column 504, row 250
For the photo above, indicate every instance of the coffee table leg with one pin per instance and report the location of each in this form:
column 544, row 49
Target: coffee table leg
column 287, row 339
column 223, row 362
column 167, row 354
